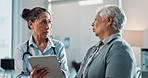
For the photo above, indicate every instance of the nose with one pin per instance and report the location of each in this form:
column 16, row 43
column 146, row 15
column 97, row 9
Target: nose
column 48, row 26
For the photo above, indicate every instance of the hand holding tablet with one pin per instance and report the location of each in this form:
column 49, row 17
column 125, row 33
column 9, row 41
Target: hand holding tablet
column 51, row 62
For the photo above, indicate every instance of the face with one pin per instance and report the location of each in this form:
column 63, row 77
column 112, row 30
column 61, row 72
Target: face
column 99, row 25
column 42, row 26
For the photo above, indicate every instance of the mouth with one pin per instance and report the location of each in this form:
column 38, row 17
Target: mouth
column 93, row 29
column 46, row 32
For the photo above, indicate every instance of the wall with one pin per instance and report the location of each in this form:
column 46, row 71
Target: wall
column 137, row 14
column 138, row 37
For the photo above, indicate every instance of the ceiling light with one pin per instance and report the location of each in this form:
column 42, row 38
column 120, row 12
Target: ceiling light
column 49, row 0
column 90, row 2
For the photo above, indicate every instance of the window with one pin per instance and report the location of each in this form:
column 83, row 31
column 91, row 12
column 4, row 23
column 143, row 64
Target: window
column 5, row 28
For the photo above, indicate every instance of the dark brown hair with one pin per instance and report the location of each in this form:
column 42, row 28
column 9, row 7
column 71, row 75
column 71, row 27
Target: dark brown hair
column 32, row 14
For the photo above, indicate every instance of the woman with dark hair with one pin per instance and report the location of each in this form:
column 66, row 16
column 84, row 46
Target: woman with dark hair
column 39, row 44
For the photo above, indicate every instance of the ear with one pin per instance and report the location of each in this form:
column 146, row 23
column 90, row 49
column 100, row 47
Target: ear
column 110, row 20
column 30, row 23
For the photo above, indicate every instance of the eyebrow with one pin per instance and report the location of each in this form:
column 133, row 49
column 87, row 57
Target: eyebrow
column 45, row 19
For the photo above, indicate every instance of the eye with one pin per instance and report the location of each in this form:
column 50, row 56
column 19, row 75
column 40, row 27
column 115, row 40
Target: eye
column 49, row 21
column 43, row 22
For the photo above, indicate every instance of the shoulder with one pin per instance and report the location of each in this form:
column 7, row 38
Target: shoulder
column 59, row 47
column 57, row 42
column 120, row 46
column 22, row 46
column 118, row 43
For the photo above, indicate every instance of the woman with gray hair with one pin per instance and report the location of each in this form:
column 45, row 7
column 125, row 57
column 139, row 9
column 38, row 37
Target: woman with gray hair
column 112, row 56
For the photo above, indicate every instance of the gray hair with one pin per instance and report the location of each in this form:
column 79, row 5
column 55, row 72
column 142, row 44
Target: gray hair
column 118, row 15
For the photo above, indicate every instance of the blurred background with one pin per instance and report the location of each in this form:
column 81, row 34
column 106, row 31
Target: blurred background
column 72, row 21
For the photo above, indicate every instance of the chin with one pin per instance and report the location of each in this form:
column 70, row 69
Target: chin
column 44, row 37
column 96, row 34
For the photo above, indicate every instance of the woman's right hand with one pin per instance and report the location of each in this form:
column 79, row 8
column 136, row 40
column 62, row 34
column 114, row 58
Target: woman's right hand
column 35, row 73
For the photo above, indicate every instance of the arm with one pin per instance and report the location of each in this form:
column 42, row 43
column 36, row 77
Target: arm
column 119, row 63
column 63, row 60
column 19, row 67
column 19, row 64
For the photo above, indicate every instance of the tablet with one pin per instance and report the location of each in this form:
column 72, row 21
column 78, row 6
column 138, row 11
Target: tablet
column 50, row 62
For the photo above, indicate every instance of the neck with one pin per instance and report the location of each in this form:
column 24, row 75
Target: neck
column 106, row 34
column 39, row 40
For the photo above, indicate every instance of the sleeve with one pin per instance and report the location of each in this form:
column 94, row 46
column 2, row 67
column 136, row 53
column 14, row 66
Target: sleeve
column 63, row 61
column 119, row 63
column 19, row 64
